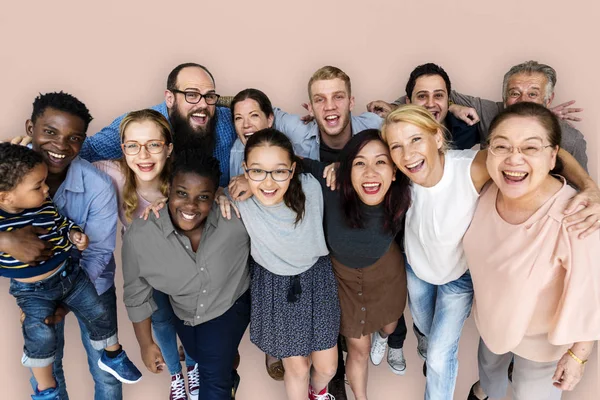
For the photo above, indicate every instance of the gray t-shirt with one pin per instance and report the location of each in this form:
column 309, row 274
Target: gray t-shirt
column 279, row 245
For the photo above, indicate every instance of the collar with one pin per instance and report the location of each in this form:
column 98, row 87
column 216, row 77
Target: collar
column 167, row 227
column 74, row 180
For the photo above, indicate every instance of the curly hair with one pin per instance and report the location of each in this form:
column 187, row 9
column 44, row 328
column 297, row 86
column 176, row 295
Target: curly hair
column 294, row 198
column 15, row 162
column 61, row 101
column 196, row 161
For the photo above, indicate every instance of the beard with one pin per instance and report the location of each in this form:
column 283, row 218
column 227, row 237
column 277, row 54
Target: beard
column 187, row 137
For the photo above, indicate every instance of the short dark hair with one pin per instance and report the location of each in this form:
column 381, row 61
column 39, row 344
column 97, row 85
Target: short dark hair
column 15, row 162
column 426, row 70
column 61, row 101
column 196, row 161
column 294, row 198
column 396, row 200
column 544, row 116
column 172, row 78
column 263, row 101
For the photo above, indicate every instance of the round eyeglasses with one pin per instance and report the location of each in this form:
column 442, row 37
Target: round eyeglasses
column 278, row 175
column 502, row 149
column 131, row 147
column 195, row 97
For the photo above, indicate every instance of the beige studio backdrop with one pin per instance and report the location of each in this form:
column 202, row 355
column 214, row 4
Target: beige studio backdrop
column 115, row 57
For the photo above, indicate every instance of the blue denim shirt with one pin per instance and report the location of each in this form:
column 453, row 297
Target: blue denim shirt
column 305, row 137
column 87, row 197
column 106, row 144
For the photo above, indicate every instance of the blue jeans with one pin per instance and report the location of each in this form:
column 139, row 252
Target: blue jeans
column 163, row 325
column 440, row 311
column 214, row 344
column 106, row 387
column 38, row 300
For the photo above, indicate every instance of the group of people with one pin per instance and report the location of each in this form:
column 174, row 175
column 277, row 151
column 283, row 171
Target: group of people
column 313, row 231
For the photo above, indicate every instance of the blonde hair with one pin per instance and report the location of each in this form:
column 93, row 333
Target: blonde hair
column 327, row 73
column 417, row 116
column 130, row 196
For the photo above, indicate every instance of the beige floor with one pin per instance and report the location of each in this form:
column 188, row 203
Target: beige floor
column 256, row 384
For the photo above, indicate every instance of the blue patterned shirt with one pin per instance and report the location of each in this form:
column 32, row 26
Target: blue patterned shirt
column 106, row 144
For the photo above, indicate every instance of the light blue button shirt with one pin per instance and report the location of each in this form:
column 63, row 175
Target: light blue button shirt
column 87, row 197
column 304, row 137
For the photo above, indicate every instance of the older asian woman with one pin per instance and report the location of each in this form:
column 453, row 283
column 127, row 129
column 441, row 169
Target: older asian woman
column 537, row 286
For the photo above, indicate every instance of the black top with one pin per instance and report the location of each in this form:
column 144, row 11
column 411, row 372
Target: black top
column 353, row 247
column 463, row 136
column 327, row 154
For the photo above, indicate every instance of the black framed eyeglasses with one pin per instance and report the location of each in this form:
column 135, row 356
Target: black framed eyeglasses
column 195, row 97
column 278, row 175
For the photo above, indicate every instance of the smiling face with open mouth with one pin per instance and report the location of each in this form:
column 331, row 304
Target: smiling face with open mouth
column 145, row 165
column 430, row 92
column 57, row 136
column 372, row 173
column 416, row 152
column 248, row 118
column 518, row 175
column 268, row 158
column 330, row 105
column 190, row 201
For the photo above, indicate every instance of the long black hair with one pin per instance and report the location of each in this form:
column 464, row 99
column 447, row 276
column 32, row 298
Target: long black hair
column 396, row 200
column 294, row 197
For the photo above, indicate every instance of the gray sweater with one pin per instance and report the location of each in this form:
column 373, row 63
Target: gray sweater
column 279, row 245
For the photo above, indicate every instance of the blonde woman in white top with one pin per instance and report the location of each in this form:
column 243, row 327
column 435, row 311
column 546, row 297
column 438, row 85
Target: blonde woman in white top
column 445, row 189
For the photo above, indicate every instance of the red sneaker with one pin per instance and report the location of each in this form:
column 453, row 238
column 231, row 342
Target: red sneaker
column 177, row 388
column 322, row 395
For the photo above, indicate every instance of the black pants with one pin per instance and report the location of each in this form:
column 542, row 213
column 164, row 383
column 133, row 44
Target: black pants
column 214, row 345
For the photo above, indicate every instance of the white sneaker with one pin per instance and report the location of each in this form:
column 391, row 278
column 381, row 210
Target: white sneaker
column 421, row 344
column 396, row 361
column 378, row 346
column 193, row 382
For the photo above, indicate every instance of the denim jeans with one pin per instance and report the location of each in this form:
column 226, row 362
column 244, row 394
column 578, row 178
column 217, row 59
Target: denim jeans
column 214, row 344
column 440, row 311
column 163, row 326
column 106, row 387
column 38, row 300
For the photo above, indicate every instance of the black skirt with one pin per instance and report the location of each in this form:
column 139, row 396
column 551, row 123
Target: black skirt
column 283, row 328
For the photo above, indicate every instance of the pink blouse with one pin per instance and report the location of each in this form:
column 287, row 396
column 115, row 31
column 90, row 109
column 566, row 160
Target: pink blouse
column 113, row 169
column 537, row 286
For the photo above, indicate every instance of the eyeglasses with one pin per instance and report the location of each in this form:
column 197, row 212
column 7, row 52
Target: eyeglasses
column 504, row 149
column 131, row 147
column 195, row 97
column 278, row 175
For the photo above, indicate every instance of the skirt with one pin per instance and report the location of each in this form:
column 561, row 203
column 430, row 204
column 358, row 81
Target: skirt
column 371, row 297
column 284, row 329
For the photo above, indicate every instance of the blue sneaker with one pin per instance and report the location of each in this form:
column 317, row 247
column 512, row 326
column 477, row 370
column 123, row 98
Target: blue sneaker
column 48, row 394
column 120, row 367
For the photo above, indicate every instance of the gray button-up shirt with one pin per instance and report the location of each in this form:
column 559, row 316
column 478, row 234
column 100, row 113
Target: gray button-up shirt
column 201, row 285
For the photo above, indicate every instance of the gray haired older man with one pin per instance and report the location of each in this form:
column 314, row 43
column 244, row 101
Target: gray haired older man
column 528, row 81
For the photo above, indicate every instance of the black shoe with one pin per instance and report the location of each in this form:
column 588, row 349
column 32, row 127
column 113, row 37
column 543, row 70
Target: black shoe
column 510, row 370
column 337, row 388
column 236, row 383
column 472, row 395
column 425, row 369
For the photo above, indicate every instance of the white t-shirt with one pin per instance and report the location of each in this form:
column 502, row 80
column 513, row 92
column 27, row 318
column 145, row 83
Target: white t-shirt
column 437, row 220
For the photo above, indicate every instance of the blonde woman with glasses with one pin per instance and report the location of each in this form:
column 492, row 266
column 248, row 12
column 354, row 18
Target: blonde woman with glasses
column 445, row 189
column 141, row 177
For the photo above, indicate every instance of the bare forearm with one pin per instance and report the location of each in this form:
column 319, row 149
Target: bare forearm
column 143, row 332
column 582, row 350
column 574, row 172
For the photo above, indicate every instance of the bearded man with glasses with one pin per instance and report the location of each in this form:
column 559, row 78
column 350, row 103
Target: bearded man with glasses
column 191, row 107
